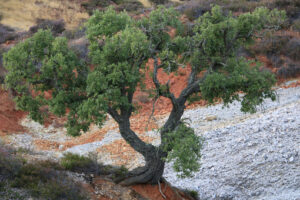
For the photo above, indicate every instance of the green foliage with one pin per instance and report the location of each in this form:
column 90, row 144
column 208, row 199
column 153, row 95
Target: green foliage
column 186, row 147
column 119, row 48
column 9, row 167
column 106, row 23
column 219, row 37
column 296, row 25
column 75, row 162
column 193, row 193
column 120, row 172
column 40, row 179
column 255, row 84
column 130, row 6
column 46, row 183
column 159, row 1
column 224, row 34
column 41, row 64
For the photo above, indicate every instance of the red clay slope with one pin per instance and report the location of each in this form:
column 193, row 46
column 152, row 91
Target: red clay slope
column 9, row 116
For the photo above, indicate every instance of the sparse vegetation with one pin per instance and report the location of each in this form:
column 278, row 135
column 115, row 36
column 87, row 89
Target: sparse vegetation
column 74, row 162
column 56, row 26
column 193, row 194
column 293, row 49
column 128, row 5
column 114, row 42
column 40, row 179
column 296, row 25
column 159, row 1
column 119, row 48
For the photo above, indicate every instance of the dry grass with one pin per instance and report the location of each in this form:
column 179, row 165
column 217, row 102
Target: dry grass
column 23, row 14
column 147, row 4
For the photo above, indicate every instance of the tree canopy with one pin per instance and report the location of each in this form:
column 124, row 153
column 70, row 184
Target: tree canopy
column 120, row 46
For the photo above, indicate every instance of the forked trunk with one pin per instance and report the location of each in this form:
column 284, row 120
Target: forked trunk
column 150, row 173
column 154, row 156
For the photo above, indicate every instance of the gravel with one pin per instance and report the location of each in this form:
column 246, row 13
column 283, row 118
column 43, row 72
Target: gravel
column 245, row 156
column 248, row 156
column 85, row 149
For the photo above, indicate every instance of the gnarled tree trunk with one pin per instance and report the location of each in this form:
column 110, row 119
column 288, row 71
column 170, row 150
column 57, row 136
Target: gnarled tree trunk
column 153, row 170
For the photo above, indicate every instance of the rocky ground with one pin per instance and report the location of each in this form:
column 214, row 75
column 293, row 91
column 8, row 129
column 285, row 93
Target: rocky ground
column 245, row 156
column 248, row 156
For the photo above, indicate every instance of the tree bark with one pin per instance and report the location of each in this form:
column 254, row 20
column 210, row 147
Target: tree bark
column 153, row 169
column 154, row 156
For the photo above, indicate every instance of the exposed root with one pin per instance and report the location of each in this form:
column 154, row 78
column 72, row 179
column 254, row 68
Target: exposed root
column 159, row 187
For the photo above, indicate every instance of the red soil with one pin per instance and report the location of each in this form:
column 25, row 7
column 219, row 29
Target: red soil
column 152, row 192
column 9, row 116
column 104, row 189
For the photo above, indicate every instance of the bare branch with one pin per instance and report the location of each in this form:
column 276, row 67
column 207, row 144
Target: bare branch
column 166, row 92
column 114, row 114
column 192, row 88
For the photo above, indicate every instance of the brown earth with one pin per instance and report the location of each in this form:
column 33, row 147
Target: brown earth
column 9, row 116
column 104, row 189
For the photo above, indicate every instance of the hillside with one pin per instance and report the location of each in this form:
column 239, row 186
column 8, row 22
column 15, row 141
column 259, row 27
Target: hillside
column 244, row 156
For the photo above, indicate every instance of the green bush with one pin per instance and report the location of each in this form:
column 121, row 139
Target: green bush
column 159, row 1
column 41, row 179
column 76, row 162
column 9, row 164
column 291, row 7
column 46, row 183
column 130, row 6
column 193, row 12
column 293, row 49
column 296, row 25
column 271, row 45
column 288, row 71
column 192, row 193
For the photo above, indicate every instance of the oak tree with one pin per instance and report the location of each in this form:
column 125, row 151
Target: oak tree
column 120, row 46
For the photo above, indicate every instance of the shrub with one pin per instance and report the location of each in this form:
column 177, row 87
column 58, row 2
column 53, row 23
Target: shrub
column 80, row 47
column 130, row 6
column 56, row 26
column 293, row 49
column 46, row 183
column 291, row 70
column 277, row 60
column 90, row 5
column 159, row 1
column 291, row 7
column 271, row 45
column 75, row 33
column 7, row 33
column 296, row 25
column 193, row 11
column 40, row 179
column 192, row 193
column 9, row 163
column 74, row 162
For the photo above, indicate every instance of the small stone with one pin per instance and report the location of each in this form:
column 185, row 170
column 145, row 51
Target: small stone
column 265, row 157
column 291, row 159
column 211, row 118
column 61, row 147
